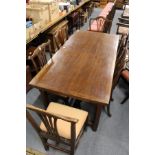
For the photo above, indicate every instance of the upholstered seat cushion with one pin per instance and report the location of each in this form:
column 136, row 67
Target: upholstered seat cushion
column 63, row 126
column 123, row 30
column 95, row 28
column 125, row 75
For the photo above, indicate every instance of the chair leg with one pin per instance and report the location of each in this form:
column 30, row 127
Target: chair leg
column 72, row 150
column 108, row 110
column 125, row 99
column 77, row 104
column 44, row 141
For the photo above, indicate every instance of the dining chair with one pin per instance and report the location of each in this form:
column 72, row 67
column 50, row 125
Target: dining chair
column 122, row 43
column 83, row 16
column 58, row 35
column 119, row 67
column 64, row 34
column 60, row 124
column 90, row 8
column 58, row 39
column 108, row 24
column 38, row 59
column 112, row 12
column 99, row 24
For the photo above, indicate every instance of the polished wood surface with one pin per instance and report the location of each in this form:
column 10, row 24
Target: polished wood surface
column 83, row 68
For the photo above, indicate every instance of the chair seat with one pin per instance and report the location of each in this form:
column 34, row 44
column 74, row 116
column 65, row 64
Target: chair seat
column 123, row 30
column 63, row 126
column 125, row 75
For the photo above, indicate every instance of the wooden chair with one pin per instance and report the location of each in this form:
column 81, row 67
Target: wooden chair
column 120, row 65
column 64, row 34
column 58, row 35
column 90, row 8
column 74, row 21
column 99, row 24
column 112, row 12
column 38, row 59
column 83, row 16
column 122, row 43
column 59, row 123
column 107, row 24
column 58, row 39
column 125, row 76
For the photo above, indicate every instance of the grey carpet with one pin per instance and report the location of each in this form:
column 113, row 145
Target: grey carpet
column 112, row 136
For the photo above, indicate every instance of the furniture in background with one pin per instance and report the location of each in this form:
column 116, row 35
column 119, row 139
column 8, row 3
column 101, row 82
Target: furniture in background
column 105, row 19
column 38, row 59
column 46, row 47
column 46, row 26
column 96, row 3
column 100, row 24
column 83, row 16
column 74, row 21
column 58, row 35
column 82, row 69
column 59, row 123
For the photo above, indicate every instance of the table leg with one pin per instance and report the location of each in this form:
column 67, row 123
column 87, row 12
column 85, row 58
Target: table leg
column 45, row 98
column 97, row 117
column 77, row 104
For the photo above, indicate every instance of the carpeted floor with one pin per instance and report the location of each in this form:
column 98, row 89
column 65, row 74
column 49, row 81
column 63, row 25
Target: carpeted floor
column 112, row 136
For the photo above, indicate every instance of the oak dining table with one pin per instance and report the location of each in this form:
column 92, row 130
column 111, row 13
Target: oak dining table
column 82, row 69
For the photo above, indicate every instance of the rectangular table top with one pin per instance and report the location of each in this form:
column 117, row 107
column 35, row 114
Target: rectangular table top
column 83, row 68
